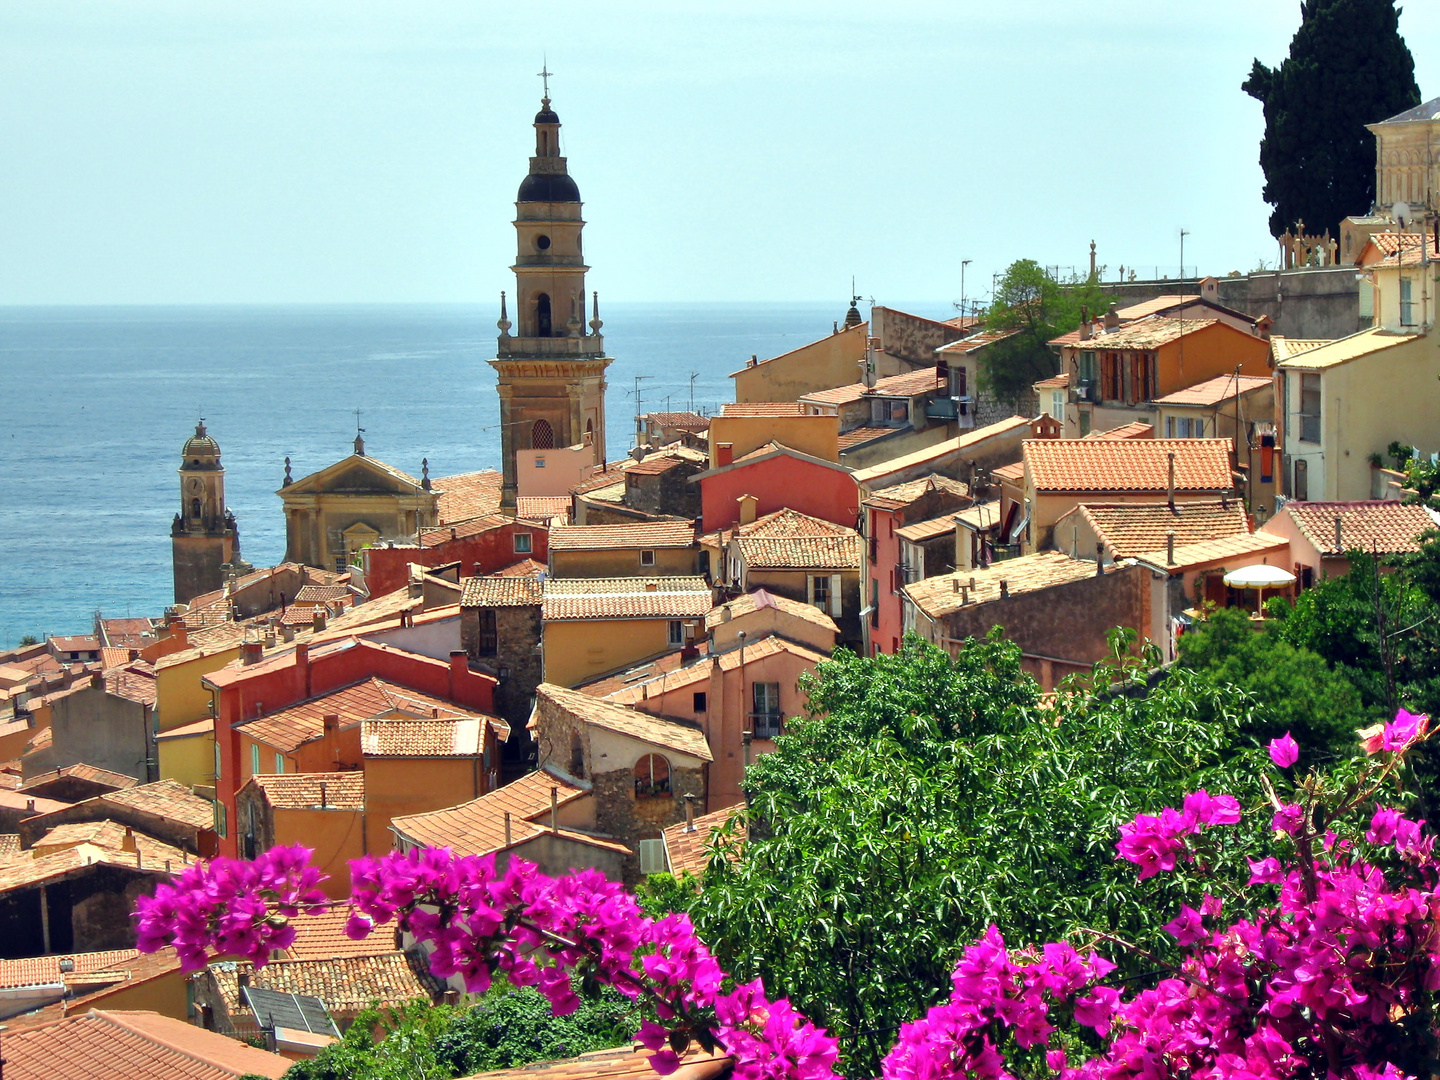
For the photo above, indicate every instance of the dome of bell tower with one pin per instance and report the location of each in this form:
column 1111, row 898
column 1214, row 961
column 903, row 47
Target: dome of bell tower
column 200, row 449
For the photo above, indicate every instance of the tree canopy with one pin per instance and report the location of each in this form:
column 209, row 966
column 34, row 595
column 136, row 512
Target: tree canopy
column 1348, row 67
column 1031, row 308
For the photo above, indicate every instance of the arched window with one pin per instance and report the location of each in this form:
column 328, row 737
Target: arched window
column 542, row 315
column 542, row 435
column 589, row 432
column 195, row 508
column 652, row 776
column 577, row 757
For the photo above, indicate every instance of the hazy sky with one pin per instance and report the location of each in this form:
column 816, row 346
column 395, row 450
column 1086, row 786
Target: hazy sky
column 369, row 150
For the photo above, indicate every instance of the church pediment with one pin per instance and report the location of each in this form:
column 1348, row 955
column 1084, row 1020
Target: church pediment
column 356, row 475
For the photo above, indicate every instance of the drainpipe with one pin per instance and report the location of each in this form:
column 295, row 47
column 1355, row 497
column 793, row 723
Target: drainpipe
column 44, row 919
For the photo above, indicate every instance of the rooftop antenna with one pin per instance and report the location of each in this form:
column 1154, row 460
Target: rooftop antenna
column 693, row 376
column 1183, row 233
column 963, row 264
column 637, row 402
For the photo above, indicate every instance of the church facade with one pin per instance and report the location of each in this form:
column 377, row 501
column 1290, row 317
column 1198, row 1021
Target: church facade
column 204, row 538
column 551, row 370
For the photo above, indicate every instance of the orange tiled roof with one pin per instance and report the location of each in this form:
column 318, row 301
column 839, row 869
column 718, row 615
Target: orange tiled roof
column 428, row 738
column 655, row 464
column 790, row 540
column 323, row 937
column 1129, row 530
column 467, row 495
column 93, row 773
column 761, row 408
column 542, row 507
column 9, row 847
column 648, row 534
column 1013, row 471
column 116, row 1045
column 673, row 660
column 899, row 496
column 940, row 596
column 61, row 863
column 1242, row 546
column 687, row 848
column 626, row 598
column 761, row 598
column 322, row 594
column 345, row 984
column 856, row 436
column 973, row 342
column 312, row 791
column 1387, row 527
column 290, row 728
column 1136, row 429
column 685, row 420
column 111, row 836
column 134, row 682
column 78, row 643
column 496, row 590
column 1147, row 333
column 1214, row 391
column 113, row 656
column 922, row 531
column 523, row 568
column 1127, row 464
column 45, row 970
column 203, row 726
column 612, row 473
column 1055, row 382
column 443, row 534
column 477, row 827
column 658, row 730
column 667, row 680
column 168, row 799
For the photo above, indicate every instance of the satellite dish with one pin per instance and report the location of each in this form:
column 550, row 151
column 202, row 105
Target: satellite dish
column 1401, row 210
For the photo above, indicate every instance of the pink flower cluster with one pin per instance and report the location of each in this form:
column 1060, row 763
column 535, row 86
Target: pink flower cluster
column 1154, row 843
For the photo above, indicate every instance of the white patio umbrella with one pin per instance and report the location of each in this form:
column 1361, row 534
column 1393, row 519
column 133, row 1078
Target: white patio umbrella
column 1260, row 576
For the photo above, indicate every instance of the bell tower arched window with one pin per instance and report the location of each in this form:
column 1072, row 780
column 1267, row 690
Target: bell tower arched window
column 195, row 508
column 542, row 435
column 542, row 315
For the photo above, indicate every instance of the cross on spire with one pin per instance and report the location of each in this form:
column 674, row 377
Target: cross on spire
column 544, row 73
column 358, row 428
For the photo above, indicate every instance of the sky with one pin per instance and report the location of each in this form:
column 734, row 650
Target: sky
column 369, row 151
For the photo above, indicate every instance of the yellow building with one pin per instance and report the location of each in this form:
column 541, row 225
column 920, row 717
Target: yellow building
column 593, row 626
column 832, row 361
column 186, row 737
column 741, row 428
column 650, row 549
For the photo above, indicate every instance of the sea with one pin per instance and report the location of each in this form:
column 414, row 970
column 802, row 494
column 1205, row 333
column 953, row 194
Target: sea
column 96, row 402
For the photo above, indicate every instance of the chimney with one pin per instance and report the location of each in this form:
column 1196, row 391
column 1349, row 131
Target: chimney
column 724, row 454
column 955, row 585
column 748, row 505
column 554, row 807
column 330, row 724
column 302, row 664
column 319, row 623
column 1099, row 560
column 1170, row 486
column 1170, row 548
column 652, row 586
column 689, row 813
column 128, row 843
column 1004, row 589
column 459, row 672
column 30, row 806
column 507, row 828
column 96, row 679
column 324, row 788
column 1085, row 328
column 242, row 978
column 1339, row 536
column 1112, row 319
column 287, row 633
column 251, row 652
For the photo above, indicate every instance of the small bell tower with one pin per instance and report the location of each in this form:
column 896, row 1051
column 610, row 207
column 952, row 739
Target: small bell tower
column 204, row 538
column 552, row 369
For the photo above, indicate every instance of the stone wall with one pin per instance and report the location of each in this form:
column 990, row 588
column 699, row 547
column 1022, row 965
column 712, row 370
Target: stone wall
column 517, row 635
column 667, row 493
column 910, row 337
column 619, row 813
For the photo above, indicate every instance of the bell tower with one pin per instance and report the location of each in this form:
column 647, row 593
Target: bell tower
column 552, row 369
column 203, row 537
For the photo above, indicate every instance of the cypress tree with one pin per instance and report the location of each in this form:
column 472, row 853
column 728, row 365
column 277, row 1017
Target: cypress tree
column 1348, row 67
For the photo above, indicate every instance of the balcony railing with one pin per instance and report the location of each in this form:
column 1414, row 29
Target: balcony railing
column 551, row 346
column 766, row 725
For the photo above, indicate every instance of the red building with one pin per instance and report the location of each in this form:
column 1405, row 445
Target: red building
column 259, row 687
column 777, row 478
column 485, row 545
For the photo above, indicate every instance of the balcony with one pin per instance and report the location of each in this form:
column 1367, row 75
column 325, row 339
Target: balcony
column 1086, row 390
column 557, row 347
column 766, row 725
column 959, row 411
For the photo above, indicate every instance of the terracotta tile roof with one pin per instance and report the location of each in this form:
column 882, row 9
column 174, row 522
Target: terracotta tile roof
column 613, row 473
column 657, row 730
column 346, row 984
column 1214, row 391
column 1148, row 333
column 134, row 682
column 655, row 464
column 109, row 835
column 323, row 937
column 973, row 342
column 79, row 643
column 234, row 633
column 685, row 420
column 25, row 872
column 687, row 846
column 1127, row 464
column 760, row 599
column 761, row 408
column 1387, row 527
column 1136, row 429
column 940, row 596
column 1410, row 252
column 1283, row 348
column 16, row 800
column 1344, row 350
column 613, row 493
column 1246, row 547
column 908, row 384
column 1055, row 382
column 218, row 636
column 898, row 496
column 626, row 598
column 203, row 726
column 312, row 791
column 116, row 1045
column 290, row 728
column 45, row 970
column 9, row 847
column 622, row 1063
column 698, row 670
column 117, row 629
column 495, row 590
column 858, row 436
column 477, row 827
column 790, row 540
column 1015, row 471
column 1131, row 529
column 673, row 660
column 467, row 495
column 112, row 656
column 92, row 773
column 443, row 534
column 40, row 740
column 651, row 534
column 428, row 738
column 927, row 530
column 542, row 507
column 880, row 472
column 380, row 609
column 167, row 799
column 523, row 568
column 322, row 594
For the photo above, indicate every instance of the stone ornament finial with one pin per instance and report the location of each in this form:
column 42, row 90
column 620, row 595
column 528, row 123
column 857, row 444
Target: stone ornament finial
column 288, row 479
column 504, row 322
column 595, row 323
column 425, row 473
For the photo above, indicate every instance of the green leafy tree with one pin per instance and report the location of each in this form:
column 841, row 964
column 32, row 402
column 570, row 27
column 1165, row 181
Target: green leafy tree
column 504, row 1029
column 1348, row 67
column 28, row 640
column 929, row 797
column 1033, row 308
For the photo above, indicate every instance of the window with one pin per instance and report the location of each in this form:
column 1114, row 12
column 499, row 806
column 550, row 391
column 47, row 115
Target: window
column 279, row 762
column 957, row 382
column 824, row 592
column 874, row 602
column 542, row 435
column 1057, row 404
column 675, row 633
column 542, row 315
column 765, row 717
column 1087, row 369
column 577, row 757
column 1302, row 480
column 647, row 558
column 1184, row 427
column 1367, row 302
column 254, row 759
column 487, row 642
column 522, row 543
column 1310, row 407
column 1407, row 302
column 539, row 462
column 700, row 703
column 221, row 821
column 899, row 412
column 652, row 777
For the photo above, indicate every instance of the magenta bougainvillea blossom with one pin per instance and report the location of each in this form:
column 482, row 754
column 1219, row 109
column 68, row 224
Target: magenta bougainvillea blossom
column 1338, row 977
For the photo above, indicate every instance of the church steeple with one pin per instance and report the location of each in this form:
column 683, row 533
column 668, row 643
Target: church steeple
column 203, row 536
column 560, row 402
